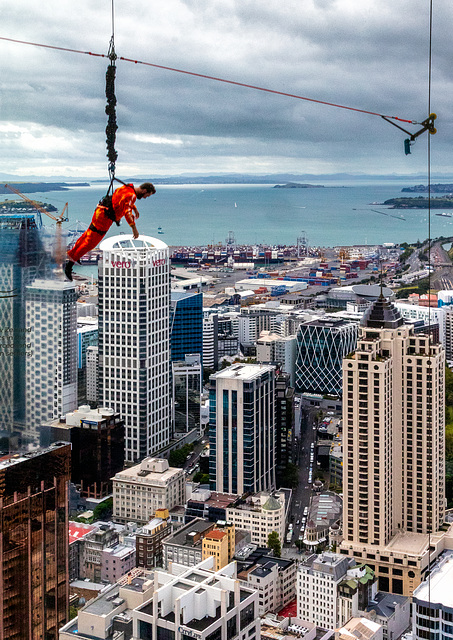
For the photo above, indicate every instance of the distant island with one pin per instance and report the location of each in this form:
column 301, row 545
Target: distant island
column 41, row 187
column 419, row 203
column 435, row 188
column 298, row 185
column 8, row 206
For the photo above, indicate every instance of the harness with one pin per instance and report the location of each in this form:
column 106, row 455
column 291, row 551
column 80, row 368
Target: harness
column 107, row 202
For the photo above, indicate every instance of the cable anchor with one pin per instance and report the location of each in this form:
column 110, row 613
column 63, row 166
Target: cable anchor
column 427, row 125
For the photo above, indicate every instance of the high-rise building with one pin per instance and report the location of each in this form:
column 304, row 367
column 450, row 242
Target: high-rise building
column 210, row 341
column 92, row 377
column 242, row 429
column 321, row 346
column 186, row 324
column 87, row 336
column 34, row 588
column 275, row 349
column 134, row 344
column 187, row 388
column 97, row 447
column 22, row 256
column 284, row 425
column 393, row 440
column 51, row 368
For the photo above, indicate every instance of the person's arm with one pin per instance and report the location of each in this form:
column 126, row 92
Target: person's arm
column 134, row 230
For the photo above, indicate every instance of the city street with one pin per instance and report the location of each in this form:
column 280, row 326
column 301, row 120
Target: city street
column 303, row 492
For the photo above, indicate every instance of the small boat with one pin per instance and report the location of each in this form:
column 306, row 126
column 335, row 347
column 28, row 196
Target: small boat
column 445, row 215
column 235, row 205
column 159, row 230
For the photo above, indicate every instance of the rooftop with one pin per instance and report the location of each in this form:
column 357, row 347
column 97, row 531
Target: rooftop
column 16, row 458
column 385, row 603
column 127, row 244
column 439, row 589
column 244, row 371
column 149, row 471
column 183, row 536
column 78, row 530
column 215, row 535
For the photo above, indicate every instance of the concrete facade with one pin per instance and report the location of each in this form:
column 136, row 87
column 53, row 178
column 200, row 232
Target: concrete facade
column 150, row 485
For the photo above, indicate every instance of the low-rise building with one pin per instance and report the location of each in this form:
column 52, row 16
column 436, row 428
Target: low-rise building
column 210, row 505
column 116, row 562
column 92, row 553
column 149, row 549
column 261, row 514
column 185, row 545
column 77, row 534
column 325, row 510
column 318, row 580
column 359, row 629
column 275, row 581
column 392, row 612
column 219, row 543
column 354, row 592
column 150, row 485
column 196, row 603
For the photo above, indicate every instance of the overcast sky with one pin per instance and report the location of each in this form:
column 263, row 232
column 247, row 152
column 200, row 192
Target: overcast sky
column 369, row 54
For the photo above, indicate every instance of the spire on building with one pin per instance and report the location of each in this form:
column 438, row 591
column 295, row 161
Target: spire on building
column 382, row 314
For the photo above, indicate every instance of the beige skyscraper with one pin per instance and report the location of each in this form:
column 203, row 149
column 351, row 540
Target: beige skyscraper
column 393, row 464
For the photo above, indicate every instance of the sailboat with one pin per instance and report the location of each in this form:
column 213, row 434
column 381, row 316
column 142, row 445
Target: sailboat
column 159, row 230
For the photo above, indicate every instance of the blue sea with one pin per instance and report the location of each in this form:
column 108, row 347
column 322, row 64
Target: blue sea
column 191, row 215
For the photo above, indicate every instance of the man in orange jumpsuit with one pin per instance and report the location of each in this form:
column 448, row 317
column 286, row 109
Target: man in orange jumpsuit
column 123, row 204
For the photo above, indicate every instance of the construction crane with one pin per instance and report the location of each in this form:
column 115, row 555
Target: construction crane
column 58, row 253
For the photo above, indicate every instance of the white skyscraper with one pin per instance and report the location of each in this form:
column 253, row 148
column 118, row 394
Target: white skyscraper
column 51, row 345
column 134, row 347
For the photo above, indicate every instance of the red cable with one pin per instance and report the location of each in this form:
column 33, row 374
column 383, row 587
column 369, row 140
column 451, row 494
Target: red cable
column 49, row 46
column 201, row 75
column 252, row 86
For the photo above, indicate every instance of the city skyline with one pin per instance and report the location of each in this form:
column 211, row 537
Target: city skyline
column 370, row 56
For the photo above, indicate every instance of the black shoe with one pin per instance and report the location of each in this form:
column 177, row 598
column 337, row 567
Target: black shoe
column 68, row 269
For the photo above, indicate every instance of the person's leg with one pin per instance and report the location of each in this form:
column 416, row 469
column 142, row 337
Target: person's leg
column 87, row 241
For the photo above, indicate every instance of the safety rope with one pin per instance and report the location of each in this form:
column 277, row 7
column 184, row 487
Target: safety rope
column 110, row 110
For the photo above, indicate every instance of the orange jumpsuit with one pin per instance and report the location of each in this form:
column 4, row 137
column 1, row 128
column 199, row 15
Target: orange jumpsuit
column 123, row 201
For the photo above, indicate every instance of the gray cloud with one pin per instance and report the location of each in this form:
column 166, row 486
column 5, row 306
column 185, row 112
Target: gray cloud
column 370, row 55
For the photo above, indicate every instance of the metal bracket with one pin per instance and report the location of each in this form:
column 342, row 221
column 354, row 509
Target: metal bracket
column 427, row 125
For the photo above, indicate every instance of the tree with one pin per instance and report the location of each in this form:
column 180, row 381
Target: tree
column 178, row 457
column 290, row 475
column 273, row 542
column 202, row 478
column 207, row 372
column 103, row 510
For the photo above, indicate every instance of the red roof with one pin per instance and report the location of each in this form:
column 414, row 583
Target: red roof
column 290, row 611
column 78, row 530
column 216, row 535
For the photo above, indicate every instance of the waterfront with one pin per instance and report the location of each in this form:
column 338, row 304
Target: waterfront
column 204, row 214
